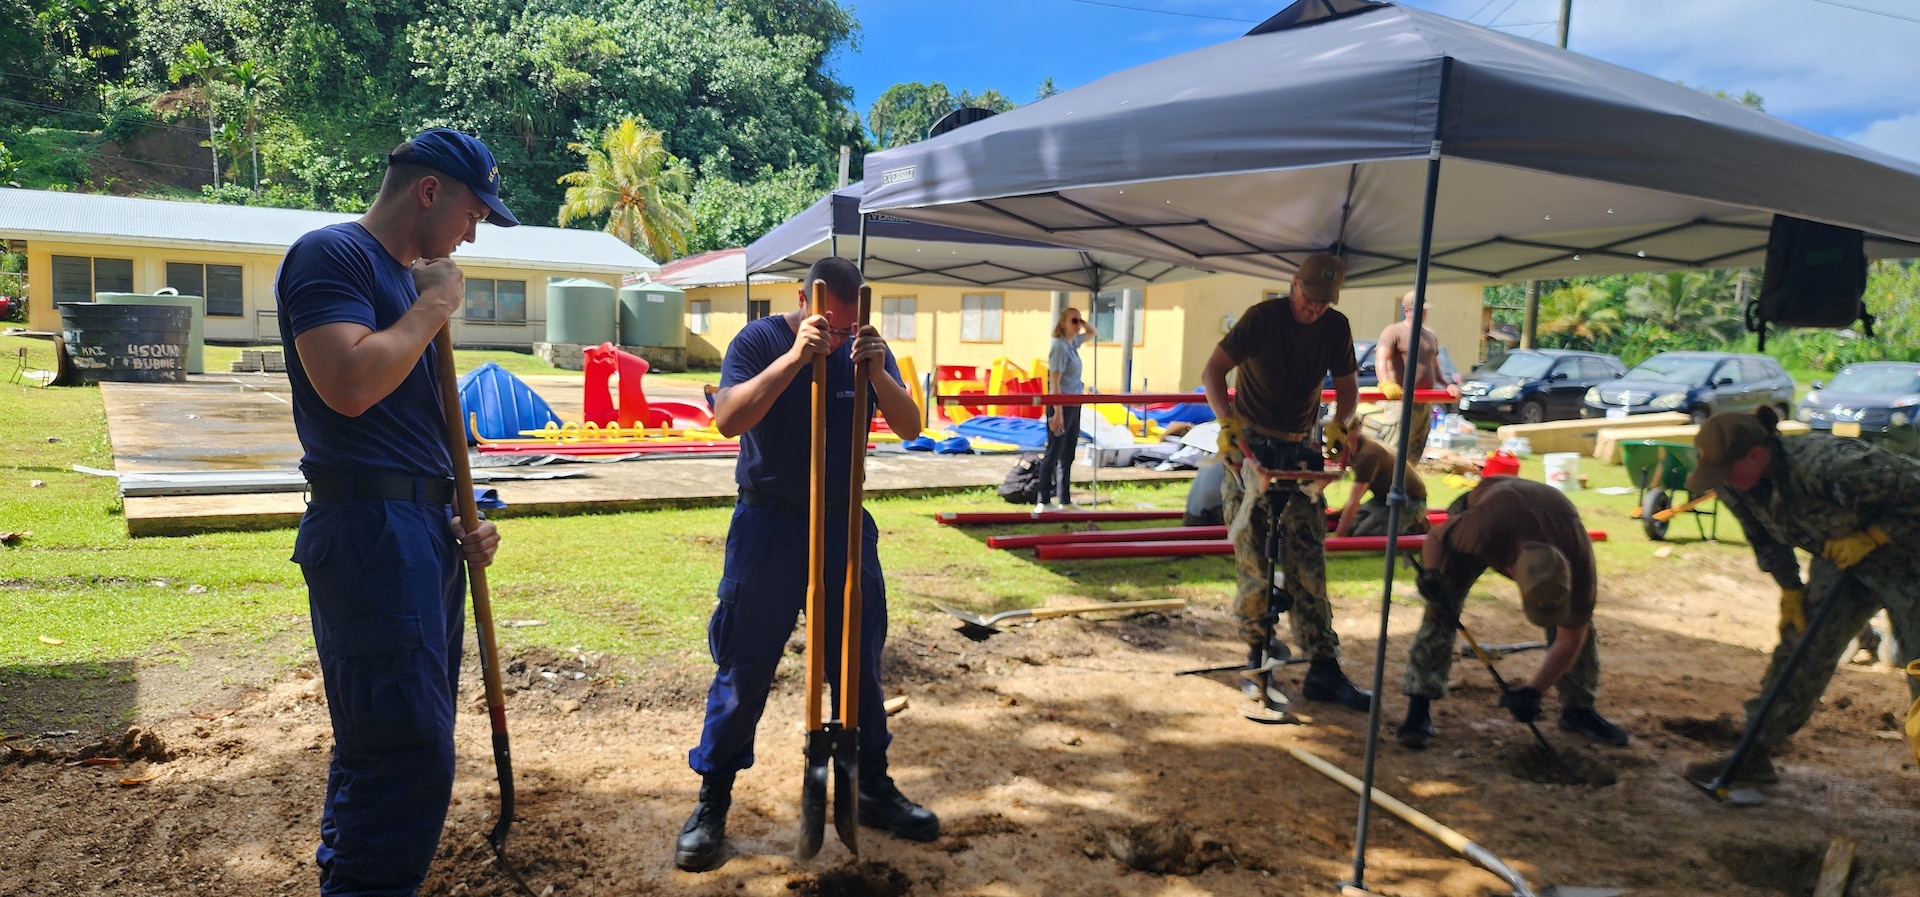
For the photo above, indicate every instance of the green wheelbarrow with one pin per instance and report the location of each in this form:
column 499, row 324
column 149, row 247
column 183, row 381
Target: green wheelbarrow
column 1659, row 470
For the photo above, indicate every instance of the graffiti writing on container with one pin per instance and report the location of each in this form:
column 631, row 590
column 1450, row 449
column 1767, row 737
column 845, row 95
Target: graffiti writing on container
column 153, row 350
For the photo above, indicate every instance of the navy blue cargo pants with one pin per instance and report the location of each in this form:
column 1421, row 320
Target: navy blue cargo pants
column 762, row 591
column 387, row 593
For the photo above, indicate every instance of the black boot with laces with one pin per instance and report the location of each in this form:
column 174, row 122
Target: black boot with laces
column 698, row 849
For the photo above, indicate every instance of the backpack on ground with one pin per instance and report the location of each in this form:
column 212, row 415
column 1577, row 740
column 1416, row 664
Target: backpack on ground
column 1022, row 485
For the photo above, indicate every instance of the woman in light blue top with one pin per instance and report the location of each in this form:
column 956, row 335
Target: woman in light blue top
column 1063, row 421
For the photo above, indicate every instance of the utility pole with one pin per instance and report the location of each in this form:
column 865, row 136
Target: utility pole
column 1529, row 326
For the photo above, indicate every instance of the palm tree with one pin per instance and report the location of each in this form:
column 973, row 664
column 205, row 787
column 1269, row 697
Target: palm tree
column 197, row 63
column 637, row 184
column 1687, row 302
column 253, row 81
column 1580, row 316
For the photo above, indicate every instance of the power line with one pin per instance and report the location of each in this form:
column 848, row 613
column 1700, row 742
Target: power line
column 1875, row 12
column 1165, row 12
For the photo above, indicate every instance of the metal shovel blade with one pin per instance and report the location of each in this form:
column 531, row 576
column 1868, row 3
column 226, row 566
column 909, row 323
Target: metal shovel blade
column 846, row 791
column 813, row 795
column 1733, row 797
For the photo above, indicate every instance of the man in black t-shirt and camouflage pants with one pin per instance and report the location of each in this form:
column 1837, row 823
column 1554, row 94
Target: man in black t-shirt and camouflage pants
column 1282, row 350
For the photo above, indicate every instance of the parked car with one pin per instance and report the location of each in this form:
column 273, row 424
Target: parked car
column 1533, row 385
column 1695, row 383
column 1370, row 374
column 1874, row 400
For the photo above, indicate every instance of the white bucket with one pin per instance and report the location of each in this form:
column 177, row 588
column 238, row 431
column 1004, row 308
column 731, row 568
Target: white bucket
column 1563, row 470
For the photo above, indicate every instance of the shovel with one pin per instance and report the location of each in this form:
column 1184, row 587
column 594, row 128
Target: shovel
column 978, row 628
column 820, row 739
column 1721, row 788
column 1497, row 680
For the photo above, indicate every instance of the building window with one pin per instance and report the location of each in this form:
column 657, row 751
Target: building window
column 220, row 285
column 980, row 318
column 76, row 278
column 759, row 308
column 1106, row 316
column 896, row 317
column 496, row 301
column 699, row 313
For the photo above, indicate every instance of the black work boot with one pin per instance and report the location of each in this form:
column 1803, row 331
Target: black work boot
column 1756, row 768
column 882, row 806
column 698, row 849
column 1417, row 731
column 1588, row 722
column 1325, row 682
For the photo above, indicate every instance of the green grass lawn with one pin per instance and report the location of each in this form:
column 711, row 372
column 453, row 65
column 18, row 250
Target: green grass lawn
column 637, row 585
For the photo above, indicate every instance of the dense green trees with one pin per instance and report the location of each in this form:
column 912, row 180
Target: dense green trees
column 904, row 112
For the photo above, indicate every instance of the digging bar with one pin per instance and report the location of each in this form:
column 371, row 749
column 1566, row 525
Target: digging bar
column 819, row 741
column 482, row 603
column 985, row 626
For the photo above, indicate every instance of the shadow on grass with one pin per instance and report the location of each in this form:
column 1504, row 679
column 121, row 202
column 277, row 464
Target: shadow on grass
column 83, row 699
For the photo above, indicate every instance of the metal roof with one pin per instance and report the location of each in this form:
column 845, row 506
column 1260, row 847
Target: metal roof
column 52, row 215
column 718, row 268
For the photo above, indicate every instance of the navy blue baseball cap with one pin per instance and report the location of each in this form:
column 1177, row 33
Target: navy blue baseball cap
column 463, row 158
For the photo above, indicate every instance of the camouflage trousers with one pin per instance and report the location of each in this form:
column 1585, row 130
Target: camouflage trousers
column 1387, row 430
column 1371, row 520
column 1430, row 663
column 1303, row 532
column 1887, row 578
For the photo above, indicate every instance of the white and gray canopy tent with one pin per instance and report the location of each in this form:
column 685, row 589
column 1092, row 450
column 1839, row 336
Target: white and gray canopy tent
column 1325, row 128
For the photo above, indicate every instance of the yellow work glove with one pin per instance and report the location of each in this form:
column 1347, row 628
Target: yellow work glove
column 1231, row 431
column 1852, row 548
column 1391, row 390
column 1793, row 612
column 1334, row 436
column 1913, row 714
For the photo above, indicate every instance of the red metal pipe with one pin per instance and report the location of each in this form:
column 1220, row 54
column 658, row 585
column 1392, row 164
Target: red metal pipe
column 1206, row 547
column 976, row 518
column 1425, row 396
column 1157, row 534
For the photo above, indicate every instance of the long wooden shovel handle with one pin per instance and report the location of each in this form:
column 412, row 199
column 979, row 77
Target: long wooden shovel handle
column 469, row 512
column 856, row 519
column 1670, row 513
column 1043, row 613
column 817, row 534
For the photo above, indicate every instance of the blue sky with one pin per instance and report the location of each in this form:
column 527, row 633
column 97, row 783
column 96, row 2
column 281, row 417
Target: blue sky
column 1843, row 67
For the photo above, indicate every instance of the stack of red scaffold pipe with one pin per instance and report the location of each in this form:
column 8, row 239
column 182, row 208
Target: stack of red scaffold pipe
column 1428, row 396
column 1180, row 541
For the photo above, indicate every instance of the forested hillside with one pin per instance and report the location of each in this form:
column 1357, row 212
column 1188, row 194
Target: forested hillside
column 304, row 99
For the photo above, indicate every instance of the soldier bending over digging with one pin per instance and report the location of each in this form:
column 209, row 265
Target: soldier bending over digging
column 1530, row 532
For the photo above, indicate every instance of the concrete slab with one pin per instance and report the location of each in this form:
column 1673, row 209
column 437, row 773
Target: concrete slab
column 236, row 422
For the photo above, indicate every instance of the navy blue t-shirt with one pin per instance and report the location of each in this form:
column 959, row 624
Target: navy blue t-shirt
column 775, row 453
column 342, row 274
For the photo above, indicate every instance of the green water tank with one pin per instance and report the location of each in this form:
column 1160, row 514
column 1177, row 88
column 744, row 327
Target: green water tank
column 653, row 314
column 196, row 336
column 581, row 312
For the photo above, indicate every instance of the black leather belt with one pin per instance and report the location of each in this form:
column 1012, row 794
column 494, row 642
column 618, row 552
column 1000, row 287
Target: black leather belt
column 422, row 489
column 767, row 501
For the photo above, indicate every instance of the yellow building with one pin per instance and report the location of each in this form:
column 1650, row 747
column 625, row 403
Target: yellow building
column 1176, row 327
column 80, row 244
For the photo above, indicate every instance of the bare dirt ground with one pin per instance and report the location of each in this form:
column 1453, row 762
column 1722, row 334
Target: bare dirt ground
column 1052, row 753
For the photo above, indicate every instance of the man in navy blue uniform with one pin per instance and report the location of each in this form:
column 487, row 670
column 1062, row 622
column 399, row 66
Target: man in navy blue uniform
column 360, row 304
column 765, row 399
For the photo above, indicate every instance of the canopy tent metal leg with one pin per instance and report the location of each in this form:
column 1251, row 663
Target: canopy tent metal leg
column 1397, row 495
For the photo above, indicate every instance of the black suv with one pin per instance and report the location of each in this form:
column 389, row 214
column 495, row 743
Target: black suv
column 1695, row 383
column 1533, row 385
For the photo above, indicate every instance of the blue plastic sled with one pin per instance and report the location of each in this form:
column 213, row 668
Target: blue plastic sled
column 503, row 403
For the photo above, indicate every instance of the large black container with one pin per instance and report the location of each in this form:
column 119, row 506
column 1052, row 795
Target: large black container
column 126, row 343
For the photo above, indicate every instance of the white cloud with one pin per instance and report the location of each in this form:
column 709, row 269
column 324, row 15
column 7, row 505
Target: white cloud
column 1834, row 68
column 1898, row 136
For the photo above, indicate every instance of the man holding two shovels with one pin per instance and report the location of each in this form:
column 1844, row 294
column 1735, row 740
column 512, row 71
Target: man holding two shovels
column 764, row 399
